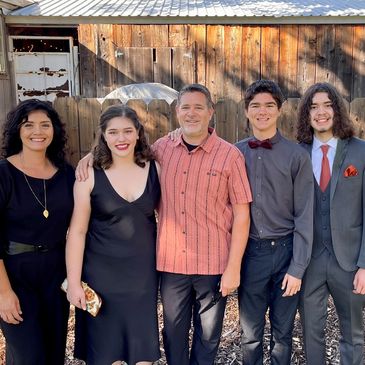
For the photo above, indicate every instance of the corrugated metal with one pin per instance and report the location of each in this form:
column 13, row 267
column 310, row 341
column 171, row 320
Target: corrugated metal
column 196, row 8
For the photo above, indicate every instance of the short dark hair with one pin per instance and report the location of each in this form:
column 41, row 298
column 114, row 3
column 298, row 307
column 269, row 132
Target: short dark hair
column 102, row 155
column 264, row 86
column 191, row 88
column 12, row 144
column 342, row 124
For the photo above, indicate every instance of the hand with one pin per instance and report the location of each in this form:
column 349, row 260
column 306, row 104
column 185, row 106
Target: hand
column 82, row 167
column 175, row 134
column 291, row 285
column 76, row 296
column 359, row 282
column 230, row 281
column 10, row 311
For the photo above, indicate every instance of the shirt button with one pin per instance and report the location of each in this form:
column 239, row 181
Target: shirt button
column 189, row 153
column 258, row 195
column 183, row 232
column 182, row 212
column 259, row 157
column 183, row 251
column 260, row 230
column 185, row 172
column 324, row 227
column 272, row 243
column 323, row 198
column 182, row 193
column 258, row 213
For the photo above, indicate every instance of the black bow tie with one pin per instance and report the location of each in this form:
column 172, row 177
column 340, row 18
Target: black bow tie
column 266, row 143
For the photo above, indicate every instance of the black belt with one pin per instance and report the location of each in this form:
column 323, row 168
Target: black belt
column 16, row 248
column 264, row 243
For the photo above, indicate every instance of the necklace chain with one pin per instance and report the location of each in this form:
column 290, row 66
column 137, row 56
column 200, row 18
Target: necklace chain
column 44, row 206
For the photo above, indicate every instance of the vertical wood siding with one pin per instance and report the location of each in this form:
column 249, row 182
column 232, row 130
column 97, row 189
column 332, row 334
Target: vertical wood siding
column 226, row 58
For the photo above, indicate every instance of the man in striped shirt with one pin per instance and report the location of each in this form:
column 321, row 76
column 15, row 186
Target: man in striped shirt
column 203, row 229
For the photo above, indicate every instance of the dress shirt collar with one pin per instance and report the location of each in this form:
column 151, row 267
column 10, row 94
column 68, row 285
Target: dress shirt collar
column 207, row 145
column 275, row 139
column 317, row 143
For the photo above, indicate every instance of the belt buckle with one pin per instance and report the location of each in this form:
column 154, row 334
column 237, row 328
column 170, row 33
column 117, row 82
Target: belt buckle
column 41, row 248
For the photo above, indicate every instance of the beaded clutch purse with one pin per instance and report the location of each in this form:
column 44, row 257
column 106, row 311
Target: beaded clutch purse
column 93, row 300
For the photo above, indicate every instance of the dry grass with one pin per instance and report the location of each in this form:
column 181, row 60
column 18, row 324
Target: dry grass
column 229, row 351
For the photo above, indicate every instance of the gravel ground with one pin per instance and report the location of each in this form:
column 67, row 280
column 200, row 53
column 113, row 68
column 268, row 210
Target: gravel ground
column 229, row 351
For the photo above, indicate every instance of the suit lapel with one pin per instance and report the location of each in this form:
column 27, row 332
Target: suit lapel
column 341, row 152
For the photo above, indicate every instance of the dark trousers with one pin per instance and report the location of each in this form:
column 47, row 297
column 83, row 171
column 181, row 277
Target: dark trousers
column 41, row 338
column 264, row 266
column 324, row 277
column 185, row 297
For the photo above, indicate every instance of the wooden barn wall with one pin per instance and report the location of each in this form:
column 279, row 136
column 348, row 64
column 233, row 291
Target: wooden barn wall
column 81, row 117
column 6, row 98
column 225, row 58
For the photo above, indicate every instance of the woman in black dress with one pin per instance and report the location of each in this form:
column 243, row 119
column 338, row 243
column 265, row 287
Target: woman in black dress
column 36, row 203
column 111, row 244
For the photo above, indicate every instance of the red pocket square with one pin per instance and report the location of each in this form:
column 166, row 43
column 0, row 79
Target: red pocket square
column 350, row 171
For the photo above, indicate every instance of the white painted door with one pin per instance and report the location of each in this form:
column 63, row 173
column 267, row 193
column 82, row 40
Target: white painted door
column 42, row 75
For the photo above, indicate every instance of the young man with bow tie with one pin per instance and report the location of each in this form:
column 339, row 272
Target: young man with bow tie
column 280, row 238
column 337, row 266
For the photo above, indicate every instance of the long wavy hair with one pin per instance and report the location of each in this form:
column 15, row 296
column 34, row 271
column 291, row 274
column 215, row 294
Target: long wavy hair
column 342, row 124
column 12, row 144
column 102, row 154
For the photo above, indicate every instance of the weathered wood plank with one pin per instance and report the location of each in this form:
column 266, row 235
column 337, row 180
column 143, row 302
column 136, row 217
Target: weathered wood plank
column 157, row 121
column 89, row 113
column 288, row 118
column 307, row 43
column 68, row 110
column 232, row 85
column 215, row 61
column 358, row 76
column 87, row 49
column 135, row 64
column 270, row 52
column 288, row 60
column 162, row 65
column 197, row 36
column 251, row 55
column 325, row 58
column 183, row 66
column 243, row 125
column 343, row 59
column 178, row 35
column 227, row 119
column 357, row 114
column 106, row 73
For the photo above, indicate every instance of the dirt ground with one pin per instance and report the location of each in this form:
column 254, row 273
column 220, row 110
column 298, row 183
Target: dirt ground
column 229, row 351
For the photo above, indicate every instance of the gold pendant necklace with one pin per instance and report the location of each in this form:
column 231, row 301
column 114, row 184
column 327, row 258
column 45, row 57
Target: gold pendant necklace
column 44, row 206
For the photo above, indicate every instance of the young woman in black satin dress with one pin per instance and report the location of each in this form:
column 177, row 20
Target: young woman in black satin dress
column 111, row 245
column 36, row 203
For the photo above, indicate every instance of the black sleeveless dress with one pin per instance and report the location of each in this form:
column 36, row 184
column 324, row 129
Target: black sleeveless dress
column 120, row 265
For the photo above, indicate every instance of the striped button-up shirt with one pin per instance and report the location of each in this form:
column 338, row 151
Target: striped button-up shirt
column 198, row 189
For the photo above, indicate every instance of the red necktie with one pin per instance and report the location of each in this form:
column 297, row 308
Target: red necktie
column 325, row 170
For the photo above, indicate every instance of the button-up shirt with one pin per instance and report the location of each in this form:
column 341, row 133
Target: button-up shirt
column 198, row 189
column 281, row 180
column 317, row 155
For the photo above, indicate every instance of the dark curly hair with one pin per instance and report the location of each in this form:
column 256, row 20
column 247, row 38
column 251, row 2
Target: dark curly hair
column 264, row 86
column 342, row 124
column 102, row 155
column 12, row 144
